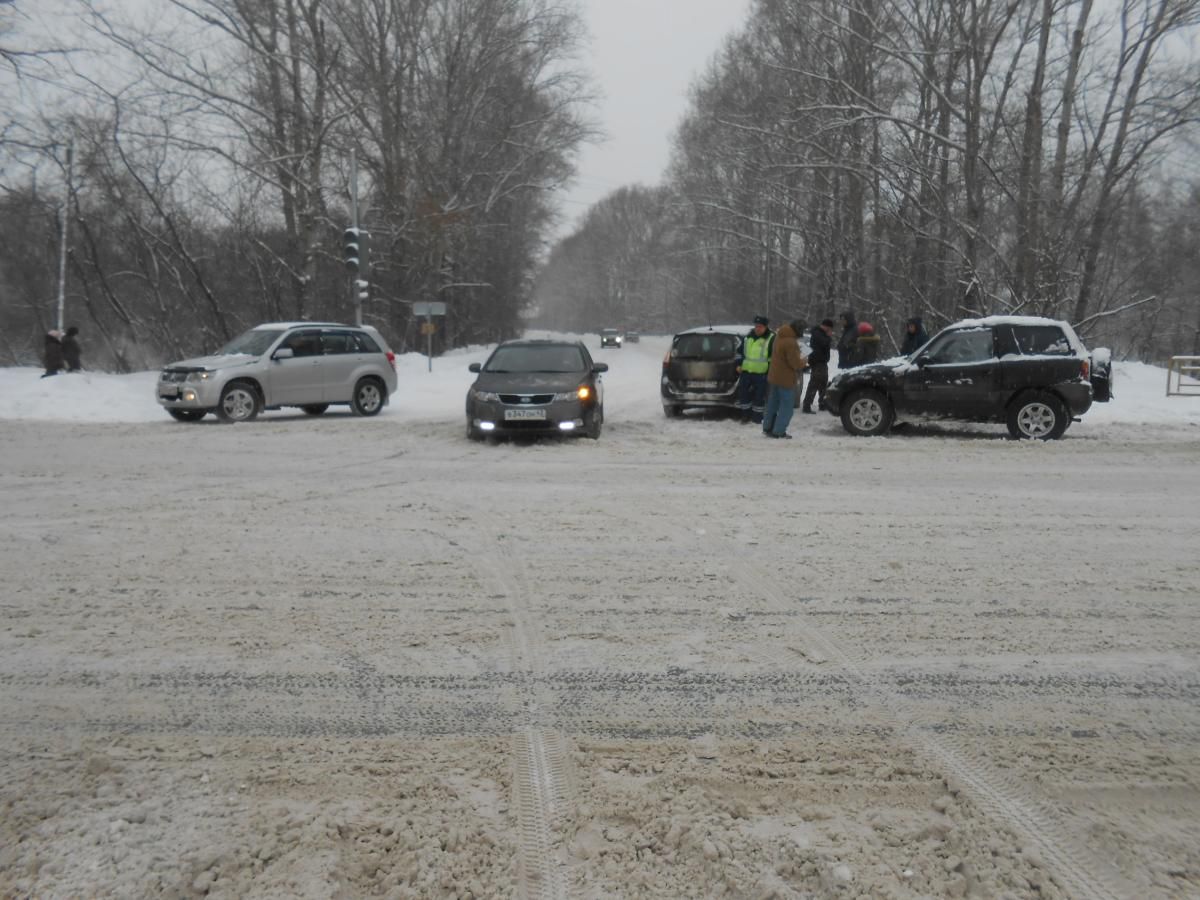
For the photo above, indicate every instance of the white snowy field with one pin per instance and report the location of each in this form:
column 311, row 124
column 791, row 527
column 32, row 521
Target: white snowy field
column 343, row 657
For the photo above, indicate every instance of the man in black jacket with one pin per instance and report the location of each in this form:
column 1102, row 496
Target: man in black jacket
column 847, row 357
column 818, row 365
column 70, row 349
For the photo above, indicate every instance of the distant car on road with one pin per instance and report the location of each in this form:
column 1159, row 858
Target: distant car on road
column 610, row 337
column 632, row 337
column 537, row 387
column 1031, row 373
column 311, row 365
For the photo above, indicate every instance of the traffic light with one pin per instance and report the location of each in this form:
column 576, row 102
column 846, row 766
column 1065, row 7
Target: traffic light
column 351, row 249
column 354, row 249
column 363, row 288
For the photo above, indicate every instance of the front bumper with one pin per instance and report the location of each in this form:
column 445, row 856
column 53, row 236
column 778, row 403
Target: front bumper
column 557, row 417
column 187, row 394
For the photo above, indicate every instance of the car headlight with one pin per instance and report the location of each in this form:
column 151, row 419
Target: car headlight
column 485, row 396
column 583, row 392
column 196, row 377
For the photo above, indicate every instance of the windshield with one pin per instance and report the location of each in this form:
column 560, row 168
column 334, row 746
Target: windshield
column 252, row 343
column 551, row 358
column 710, row 347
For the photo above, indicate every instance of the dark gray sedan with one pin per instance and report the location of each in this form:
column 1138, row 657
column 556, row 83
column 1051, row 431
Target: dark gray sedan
column 536, row 387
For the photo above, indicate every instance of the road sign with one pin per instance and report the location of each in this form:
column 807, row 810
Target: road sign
column 428, row 328
column 429, row 309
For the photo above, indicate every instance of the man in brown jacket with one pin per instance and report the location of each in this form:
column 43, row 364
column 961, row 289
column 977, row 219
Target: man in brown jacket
column 787, row 362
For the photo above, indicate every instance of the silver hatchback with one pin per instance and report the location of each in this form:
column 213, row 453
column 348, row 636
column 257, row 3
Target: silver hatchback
column 311, row 365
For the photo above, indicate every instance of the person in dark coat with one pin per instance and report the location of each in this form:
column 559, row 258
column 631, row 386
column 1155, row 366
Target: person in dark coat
column 818, row 365
column 914, row 336
column 70, row 349
column 847, row 341
column 866, row 348
column 52, row 353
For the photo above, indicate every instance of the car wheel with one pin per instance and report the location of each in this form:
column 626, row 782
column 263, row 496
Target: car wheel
column 368, row 397
column 315, row 409
column 1037, row 416
column 672, row 411
column 866, row 413
column 473, row 433
column 187, row 415
column 594, row 423
column 239, row 403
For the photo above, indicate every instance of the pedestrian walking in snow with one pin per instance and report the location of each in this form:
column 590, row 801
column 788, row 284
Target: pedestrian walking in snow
column 848, row 340
column 914, row 336
column 821, row 342
column 866, row 348
column 52, row 353
column 787, row 362
column 753, row 361
column 70, row 349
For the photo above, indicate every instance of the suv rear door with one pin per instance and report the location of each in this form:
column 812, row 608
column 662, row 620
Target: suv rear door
column 1036, row 356
column 703, row 362
column 347, row 353
column 957, row 375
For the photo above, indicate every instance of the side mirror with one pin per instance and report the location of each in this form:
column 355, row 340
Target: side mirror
column 475, row 367
column 599, row 368
column 283, row 353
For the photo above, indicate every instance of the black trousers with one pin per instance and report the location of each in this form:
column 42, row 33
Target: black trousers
column 818, row 380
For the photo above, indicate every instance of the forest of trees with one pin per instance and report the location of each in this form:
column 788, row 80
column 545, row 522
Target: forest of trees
column 942, row 158
column 210, row 185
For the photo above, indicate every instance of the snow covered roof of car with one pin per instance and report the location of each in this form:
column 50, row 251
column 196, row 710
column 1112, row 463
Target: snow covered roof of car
column 302, row 325
column 718, row 329
column 1007, row 320
column 1042, row 321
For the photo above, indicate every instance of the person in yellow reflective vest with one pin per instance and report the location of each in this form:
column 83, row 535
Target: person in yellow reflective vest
column 754, row 359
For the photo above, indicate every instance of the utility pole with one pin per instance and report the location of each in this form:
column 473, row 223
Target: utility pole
column 354, row 224
column 62, row 250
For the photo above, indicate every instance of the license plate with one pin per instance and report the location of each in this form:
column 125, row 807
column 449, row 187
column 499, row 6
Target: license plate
column 704, row 385
column 517, row 415
column 163, row 395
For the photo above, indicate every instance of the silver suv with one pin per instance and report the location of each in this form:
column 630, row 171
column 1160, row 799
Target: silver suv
column 312, row 365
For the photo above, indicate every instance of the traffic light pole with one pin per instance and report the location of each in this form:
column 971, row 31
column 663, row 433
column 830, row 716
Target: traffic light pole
column 354, row 291
column 62, row 248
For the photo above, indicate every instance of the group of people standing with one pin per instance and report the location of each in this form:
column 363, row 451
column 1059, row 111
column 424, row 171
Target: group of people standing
column 61, row 351
column 771, row 365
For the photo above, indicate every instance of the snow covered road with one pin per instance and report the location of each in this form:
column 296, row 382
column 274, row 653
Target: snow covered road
column 343, row 657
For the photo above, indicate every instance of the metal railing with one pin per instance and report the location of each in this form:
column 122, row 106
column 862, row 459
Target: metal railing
column 1183, row 376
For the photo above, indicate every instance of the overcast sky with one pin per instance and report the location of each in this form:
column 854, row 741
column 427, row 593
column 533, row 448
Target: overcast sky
column 644, row 55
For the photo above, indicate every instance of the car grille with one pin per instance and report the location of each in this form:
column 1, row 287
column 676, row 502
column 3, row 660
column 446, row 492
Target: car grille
column 526, row 399
column 529, row 425
column 172, row 376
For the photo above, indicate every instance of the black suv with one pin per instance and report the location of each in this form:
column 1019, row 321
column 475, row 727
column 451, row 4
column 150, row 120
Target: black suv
column 1033, row 374
column 610, row 337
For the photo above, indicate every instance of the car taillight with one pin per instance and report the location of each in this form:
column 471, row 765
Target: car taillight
column 391, row 360
column 667, row 359
column 1085, row 370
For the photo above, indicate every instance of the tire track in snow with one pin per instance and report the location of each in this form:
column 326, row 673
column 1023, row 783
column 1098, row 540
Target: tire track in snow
column 542, row 794
column 1073, row 865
